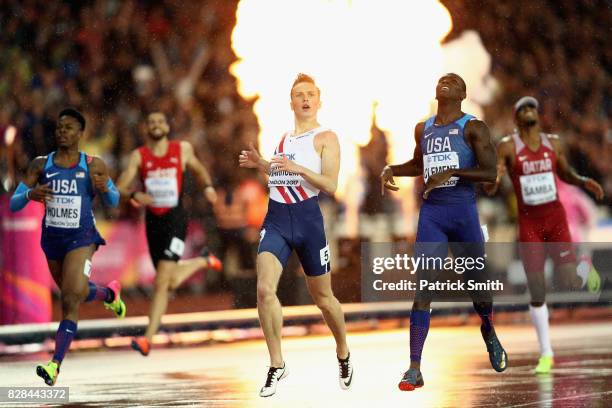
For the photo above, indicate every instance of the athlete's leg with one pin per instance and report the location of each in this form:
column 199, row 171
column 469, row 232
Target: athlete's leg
column 569, row 278
column 431, row 243
column 75, row 287
column 269, row 270
column 321, row 291
column 562, row 251
column 159, row 303
column 183, row 269
column 55, row 267
column 313, row 251
column 533, row 253
column 49, row 371
column 74, row 290
column 538, row 310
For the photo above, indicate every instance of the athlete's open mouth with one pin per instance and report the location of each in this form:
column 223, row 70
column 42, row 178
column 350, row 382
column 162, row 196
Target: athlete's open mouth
column 306, row 106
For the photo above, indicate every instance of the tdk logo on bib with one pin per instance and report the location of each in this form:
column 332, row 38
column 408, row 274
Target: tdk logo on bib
column 290, row 156
column 440, row 157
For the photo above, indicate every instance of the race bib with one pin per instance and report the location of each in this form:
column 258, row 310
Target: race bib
column 164, row 191
column 283, row 178
column 324, row 255
column 538, row 188
column 439, row 162
column 177, row 246
column 63, row 212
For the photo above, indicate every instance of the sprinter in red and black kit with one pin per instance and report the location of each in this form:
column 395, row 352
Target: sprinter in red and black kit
column 534, row 160
column 160, row 164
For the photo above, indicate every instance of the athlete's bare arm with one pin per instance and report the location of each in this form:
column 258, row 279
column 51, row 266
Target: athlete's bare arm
column 505, row 160
column 102, row 182
column 125, row 180
column 479, row 137
column 98, row 174
column 199, row 171
column 568, row 174
column 39, row 192
column 412, row 168
column 252, row 160
column 327, row 181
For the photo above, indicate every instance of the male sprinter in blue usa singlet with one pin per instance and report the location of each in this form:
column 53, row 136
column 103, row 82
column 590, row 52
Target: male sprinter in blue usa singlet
column 65, row 181
column 453, row 151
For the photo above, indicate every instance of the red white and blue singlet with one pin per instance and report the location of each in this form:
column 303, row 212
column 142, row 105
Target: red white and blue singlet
column 294, row 220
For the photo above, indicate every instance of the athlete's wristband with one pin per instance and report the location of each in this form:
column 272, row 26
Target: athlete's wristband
column 20, row 197
column 111, row 197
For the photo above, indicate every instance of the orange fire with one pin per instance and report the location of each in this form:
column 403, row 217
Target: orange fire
column 368, row 57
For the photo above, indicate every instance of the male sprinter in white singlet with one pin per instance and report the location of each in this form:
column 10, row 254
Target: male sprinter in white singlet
column 305, row 162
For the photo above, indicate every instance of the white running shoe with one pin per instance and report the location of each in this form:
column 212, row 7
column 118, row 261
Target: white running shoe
column 275, row 374
column 346, row 372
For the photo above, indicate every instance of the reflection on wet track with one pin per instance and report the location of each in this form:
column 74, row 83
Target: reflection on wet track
column 455, row 369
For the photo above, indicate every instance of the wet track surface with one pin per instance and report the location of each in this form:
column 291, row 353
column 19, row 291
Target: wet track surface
column 455, row 369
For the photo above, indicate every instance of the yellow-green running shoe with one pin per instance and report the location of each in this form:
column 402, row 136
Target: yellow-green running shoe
column 117, row 304
column 48, row 372
column 545, row 364
column 593, row 280
column 588, row 273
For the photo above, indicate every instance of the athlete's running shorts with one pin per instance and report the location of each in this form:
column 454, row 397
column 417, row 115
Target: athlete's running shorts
column 56, row 246
column 298, row 227
column 545, row 235
column 454, row 226
column 166, row 234
column 445, row 223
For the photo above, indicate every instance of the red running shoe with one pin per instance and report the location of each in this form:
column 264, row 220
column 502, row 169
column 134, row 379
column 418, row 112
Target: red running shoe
column 142, row 345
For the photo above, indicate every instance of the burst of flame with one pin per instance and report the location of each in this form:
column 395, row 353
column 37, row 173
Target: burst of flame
column 9, row 135
column 368, row 57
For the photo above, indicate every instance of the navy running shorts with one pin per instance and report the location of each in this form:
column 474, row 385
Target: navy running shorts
column 56, row 246
column 441, row 224
column 299, row 227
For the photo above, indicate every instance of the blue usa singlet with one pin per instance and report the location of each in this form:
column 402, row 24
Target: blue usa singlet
column 449, row 213
column 69, row 220
column 445, row 147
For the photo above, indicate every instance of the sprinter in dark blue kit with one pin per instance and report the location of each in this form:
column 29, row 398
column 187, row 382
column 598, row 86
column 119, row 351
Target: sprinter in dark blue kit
column 453, row 151
column 65, row 181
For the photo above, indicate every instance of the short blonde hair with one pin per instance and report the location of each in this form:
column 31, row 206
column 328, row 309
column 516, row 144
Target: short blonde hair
column 301, row 77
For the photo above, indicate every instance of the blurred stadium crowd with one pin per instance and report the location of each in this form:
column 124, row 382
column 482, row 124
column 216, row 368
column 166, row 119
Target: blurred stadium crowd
column 116, row 60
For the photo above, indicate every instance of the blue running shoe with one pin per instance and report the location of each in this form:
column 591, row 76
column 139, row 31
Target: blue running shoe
column 497, row 354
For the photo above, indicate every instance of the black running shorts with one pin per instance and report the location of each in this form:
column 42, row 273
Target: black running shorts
column 166, row 234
